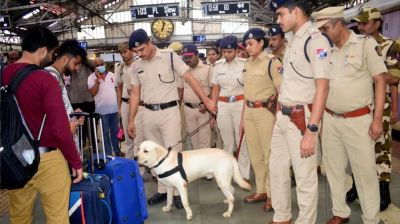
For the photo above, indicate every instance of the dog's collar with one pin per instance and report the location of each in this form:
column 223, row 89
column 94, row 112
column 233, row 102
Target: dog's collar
column 178, row 168
column 162, row 160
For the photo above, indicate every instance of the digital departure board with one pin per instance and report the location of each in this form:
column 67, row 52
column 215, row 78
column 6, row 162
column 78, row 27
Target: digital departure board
column 5, row 22
column 143, row 12
column 227, row 7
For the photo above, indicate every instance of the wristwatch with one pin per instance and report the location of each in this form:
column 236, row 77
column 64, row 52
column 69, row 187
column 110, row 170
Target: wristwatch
column 312, row 127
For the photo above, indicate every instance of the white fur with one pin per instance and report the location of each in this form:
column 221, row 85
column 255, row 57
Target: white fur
column 197, row 164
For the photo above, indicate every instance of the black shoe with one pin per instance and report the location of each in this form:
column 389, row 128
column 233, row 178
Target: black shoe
column 157, row 198
column 385, row 195
column 352, row 195
column 177, row 202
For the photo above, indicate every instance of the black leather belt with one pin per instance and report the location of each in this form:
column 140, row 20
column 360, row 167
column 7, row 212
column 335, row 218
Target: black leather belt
column 193, row 105
column 126, row 100
column 161, row 106
column 43, row 150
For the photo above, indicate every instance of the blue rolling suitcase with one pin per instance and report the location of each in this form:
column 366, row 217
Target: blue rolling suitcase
column 90, row 201
column 128, row 197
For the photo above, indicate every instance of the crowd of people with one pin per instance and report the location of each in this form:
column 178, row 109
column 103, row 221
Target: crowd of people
column 323, row 98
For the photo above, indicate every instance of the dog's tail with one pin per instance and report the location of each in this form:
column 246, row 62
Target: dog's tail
column 238, row 177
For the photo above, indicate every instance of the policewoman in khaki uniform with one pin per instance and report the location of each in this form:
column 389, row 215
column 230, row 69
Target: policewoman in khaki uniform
column 260, row 92
column 195, row 112
column 369, row 22
column 155, row 81
column 350, row 128
column 228, row 91
column 304, row 89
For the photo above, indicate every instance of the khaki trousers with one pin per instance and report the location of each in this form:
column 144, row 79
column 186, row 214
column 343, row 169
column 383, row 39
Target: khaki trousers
column 193, row 120
column 285, row 152
column 164, row 128
column 343, row 141
column 53, row 182
column 258, row 123
column 132, row 145
column 228, row 121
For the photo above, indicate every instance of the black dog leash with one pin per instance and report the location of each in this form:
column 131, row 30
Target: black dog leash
column 191, row 133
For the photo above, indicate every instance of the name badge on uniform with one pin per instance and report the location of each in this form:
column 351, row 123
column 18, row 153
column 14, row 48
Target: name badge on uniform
column 223, row 73
column 322, row 53
column 141, row 71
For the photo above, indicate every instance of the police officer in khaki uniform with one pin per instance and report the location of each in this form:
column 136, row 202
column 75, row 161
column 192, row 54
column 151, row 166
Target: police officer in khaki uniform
column 302, row 100
column 369, row 23
column 350, row 127
column 195, row 112
column 154, row 80
column 123, row 73
column 260, row 91
column 277, row 41
column 228, row 91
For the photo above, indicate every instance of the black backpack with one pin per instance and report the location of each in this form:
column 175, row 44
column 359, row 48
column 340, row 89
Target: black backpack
column 19, row 153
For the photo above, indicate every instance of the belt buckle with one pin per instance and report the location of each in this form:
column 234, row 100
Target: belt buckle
column 231, row 99
column 156, row 107
column 286, row 110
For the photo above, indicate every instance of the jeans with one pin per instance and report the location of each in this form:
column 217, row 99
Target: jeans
column 110, row 130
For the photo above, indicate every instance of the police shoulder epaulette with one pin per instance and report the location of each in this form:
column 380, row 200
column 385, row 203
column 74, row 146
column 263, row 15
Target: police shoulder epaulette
column 220, row 61
column 271, row 56
column 362, row 36
column 241, row 59
column 315, row 33
column 166, row 50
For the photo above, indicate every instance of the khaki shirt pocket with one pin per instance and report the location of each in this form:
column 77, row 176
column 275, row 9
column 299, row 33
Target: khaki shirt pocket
column 354, row 63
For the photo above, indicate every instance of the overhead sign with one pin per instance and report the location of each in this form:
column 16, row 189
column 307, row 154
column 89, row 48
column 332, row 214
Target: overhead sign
column 142, row 12
column 5, row 22
column 199, row 38
column 227, row 7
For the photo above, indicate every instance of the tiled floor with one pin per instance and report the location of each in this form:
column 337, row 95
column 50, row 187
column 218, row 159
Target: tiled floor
column 207, row 205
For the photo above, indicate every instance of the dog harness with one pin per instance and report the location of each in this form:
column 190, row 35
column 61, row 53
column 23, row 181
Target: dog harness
column 178, row 168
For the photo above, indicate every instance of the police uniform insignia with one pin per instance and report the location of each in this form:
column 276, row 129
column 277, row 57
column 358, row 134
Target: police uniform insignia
column 274, row 4
column 250, row 35
column 322, row 53
column 228, row 46
column 137, row 44
column 141, row 71
column 378, row 50
column 273, row 29
column 315, row 34
column 280, row 69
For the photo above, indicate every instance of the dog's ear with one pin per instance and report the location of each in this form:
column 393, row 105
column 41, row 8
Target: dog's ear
column 159, row 152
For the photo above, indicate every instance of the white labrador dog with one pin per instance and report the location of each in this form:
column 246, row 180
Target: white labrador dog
column 196, row 164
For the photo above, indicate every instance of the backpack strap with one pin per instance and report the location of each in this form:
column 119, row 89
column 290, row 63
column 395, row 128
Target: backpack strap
column 20, row 75
column 308, row 40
